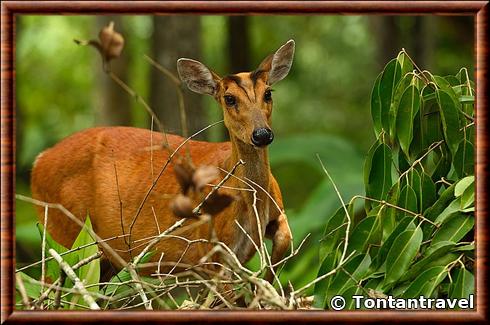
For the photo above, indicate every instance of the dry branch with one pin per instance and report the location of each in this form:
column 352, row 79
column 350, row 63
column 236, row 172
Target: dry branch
column 77, row 283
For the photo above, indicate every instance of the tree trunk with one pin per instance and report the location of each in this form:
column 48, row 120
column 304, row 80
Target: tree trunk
column 388, row 39
column 238, row 44
column 113, row 103
column 390, row 30
column 175, row 37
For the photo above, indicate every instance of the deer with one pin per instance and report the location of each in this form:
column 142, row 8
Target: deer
column 104, row 173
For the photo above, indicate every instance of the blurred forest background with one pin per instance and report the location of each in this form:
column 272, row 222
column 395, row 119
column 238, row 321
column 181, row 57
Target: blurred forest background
column 323, row 106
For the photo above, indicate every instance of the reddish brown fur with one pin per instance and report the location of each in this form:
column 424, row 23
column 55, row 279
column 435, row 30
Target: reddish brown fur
column 79, row 173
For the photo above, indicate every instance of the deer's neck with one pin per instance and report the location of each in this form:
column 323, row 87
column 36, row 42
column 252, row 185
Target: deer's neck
column 256, row 168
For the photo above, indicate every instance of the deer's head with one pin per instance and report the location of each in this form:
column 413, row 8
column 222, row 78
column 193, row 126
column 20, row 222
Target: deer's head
column 245, row 97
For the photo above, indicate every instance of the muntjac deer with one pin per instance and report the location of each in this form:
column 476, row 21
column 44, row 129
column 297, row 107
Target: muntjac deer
column 106, row 173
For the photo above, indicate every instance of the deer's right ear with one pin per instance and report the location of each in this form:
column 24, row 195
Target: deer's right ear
column 197, row 76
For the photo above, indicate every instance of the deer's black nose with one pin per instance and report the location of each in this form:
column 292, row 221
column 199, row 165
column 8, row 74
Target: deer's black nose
column 262, row 137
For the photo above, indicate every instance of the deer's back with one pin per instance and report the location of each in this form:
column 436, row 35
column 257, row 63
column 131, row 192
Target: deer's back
column 95, row 171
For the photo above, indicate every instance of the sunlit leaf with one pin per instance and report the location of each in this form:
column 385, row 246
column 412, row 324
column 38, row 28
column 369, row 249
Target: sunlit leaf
column 405, row 63
column 90, row 272
column 454, row 228
column 463, row 184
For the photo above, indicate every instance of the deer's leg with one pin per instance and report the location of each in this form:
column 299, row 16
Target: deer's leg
column 278, row 230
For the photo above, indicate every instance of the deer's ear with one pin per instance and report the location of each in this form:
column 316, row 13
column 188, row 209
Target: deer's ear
column 277, row 65
column 197, row 76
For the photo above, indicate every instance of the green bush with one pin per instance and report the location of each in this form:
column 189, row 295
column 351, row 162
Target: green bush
column 416, row 237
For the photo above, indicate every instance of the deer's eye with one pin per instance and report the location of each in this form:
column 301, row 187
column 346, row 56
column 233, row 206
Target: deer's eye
column 230, row 100
column 268, row 95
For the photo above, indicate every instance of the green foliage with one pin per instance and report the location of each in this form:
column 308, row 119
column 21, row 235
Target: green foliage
column 417, row 235
column 83, row 247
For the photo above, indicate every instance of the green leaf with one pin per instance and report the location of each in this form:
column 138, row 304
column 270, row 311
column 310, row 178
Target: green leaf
column 432, row 254
column 465, row 99
column 334, row 230
column 453, row 207
column 463, row 285
column 376, row 106
column 443, row 164
column 464, row 163
column 416, row 147
column 379, row 179
column 32, row 286
column 427, row 194
column 468, row 197
column 401, row 254
column 402, row 85
column 387, row 85
column 368, row 231
column 403, row 163
column 405, row 63
column 436, row 209
column 442, row 202
column 452, row 80
column 468, row 247
column 405, row 224
column 52, row 267
column 454, row 228
column 462, row 185
column 350, row 303
column 407, row 109
column 88, row 273
column 389, row 219
column 450, row 120
column 350, row 274
column 115, row 287
column 321, row 287
column 426, row 282
column 430, row 120
column 408, row 200
column 444, row 85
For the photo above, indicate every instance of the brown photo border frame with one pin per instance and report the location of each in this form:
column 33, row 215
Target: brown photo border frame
column 10, row 9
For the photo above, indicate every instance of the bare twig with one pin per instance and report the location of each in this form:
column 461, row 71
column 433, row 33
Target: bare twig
column 155, row 241
column 67, row 252
column 57, row 295
column 25, row 299
column 347, row 230
column 384, row 203
column 43, row 248
column 77, row 283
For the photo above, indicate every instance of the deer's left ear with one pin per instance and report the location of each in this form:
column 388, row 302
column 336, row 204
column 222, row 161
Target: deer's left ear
column 278, row 64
